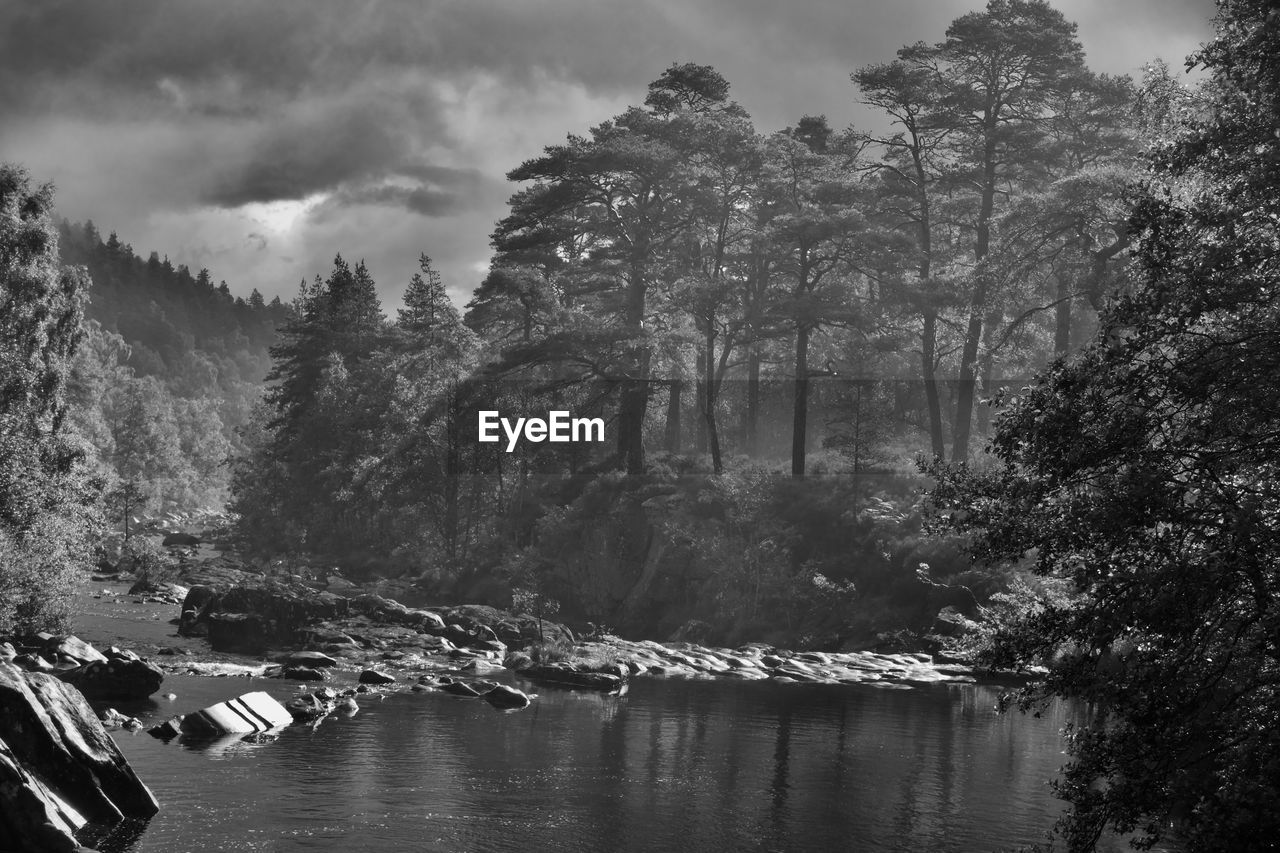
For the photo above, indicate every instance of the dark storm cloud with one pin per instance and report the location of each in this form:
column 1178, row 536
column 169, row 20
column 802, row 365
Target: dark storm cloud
column 421, row 199
column 320, row 148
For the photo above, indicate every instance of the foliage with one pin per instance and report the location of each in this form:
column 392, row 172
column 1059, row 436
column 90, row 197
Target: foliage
column 1143, row 474
column 169, row 370
column 47, row 500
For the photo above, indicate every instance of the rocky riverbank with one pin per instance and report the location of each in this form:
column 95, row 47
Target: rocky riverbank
column 236, row 618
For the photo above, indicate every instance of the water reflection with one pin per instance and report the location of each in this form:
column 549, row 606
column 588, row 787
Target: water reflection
column 700, row 766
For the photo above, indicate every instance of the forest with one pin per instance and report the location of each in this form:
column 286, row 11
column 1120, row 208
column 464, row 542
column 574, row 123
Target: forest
column 781, row 330
column 993, row 377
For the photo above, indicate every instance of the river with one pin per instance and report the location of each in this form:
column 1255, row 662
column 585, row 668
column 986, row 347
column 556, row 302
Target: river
column 672, row 765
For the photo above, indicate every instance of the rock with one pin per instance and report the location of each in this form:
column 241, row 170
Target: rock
column 245, row 633
column 252, row 712
column 7, row 652
column 168, row 730
column 373, row 676
column 76, row 649
column 460, row 688
column 121, row 676
column 257, row 612
column 326, row 637
column 59, row 769
column 309, row 706
column 482, row 667
column 303, row 673
column 563, row 675
column 347, row 705
column 32, row 662
column 517, row 661
column 506, row 697
column 515, row 631
column 315, row 660
column 428, row 621
column 340, row 585
column 950, row 622
column 261, row 737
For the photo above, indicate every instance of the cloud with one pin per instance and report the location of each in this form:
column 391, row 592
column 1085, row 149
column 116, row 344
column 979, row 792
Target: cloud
column 389, row 124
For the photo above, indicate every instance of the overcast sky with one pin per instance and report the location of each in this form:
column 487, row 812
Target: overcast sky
column 259, row 139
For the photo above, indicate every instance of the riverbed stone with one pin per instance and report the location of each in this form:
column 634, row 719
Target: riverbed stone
column 315, row 660
column 303, row 673
column 460, row 688
column 308, row 707
column 507, row 698
column 119, row 676
column 373, row 676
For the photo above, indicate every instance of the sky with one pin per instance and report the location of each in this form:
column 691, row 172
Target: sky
column 260, row 139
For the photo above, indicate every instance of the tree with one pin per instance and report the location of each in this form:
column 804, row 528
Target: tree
column 47, row 503
column 814, row 224
column 909, row 91
column 432, row 352
column 715, row 138
column 322, row 421
column 604, row 211
column 1144, row 474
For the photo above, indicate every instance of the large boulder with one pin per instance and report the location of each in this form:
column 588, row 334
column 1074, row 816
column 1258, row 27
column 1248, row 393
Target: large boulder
column 120, row 675
column 251, row 712
column 256, row 613
column 59, row 769
column 516, row 631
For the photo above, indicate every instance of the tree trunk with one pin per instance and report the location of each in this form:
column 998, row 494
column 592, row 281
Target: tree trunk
column 452, row 477
column 928, row 357
column 1062, row 332
column 709, row 400
column 988, row 363
column 751, row 428
column 633, row 401
column 929, row 333
column 672, row 437
column 799, row 424
column 978, row 301
column 632, row 405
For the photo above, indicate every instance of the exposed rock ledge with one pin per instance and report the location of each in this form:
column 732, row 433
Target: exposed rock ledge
column 60, row 771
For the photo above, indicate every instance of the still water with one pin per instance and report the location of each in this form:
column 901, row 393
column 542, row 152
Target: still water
column 672, row 765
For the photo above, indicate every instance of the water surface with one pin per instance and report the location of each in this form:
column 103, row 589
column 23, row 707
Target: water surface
column 672, row 765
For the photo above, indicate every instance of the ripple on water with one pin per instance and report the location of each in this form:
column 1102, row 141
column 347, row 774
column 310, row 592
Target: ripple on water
column 673, row 765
